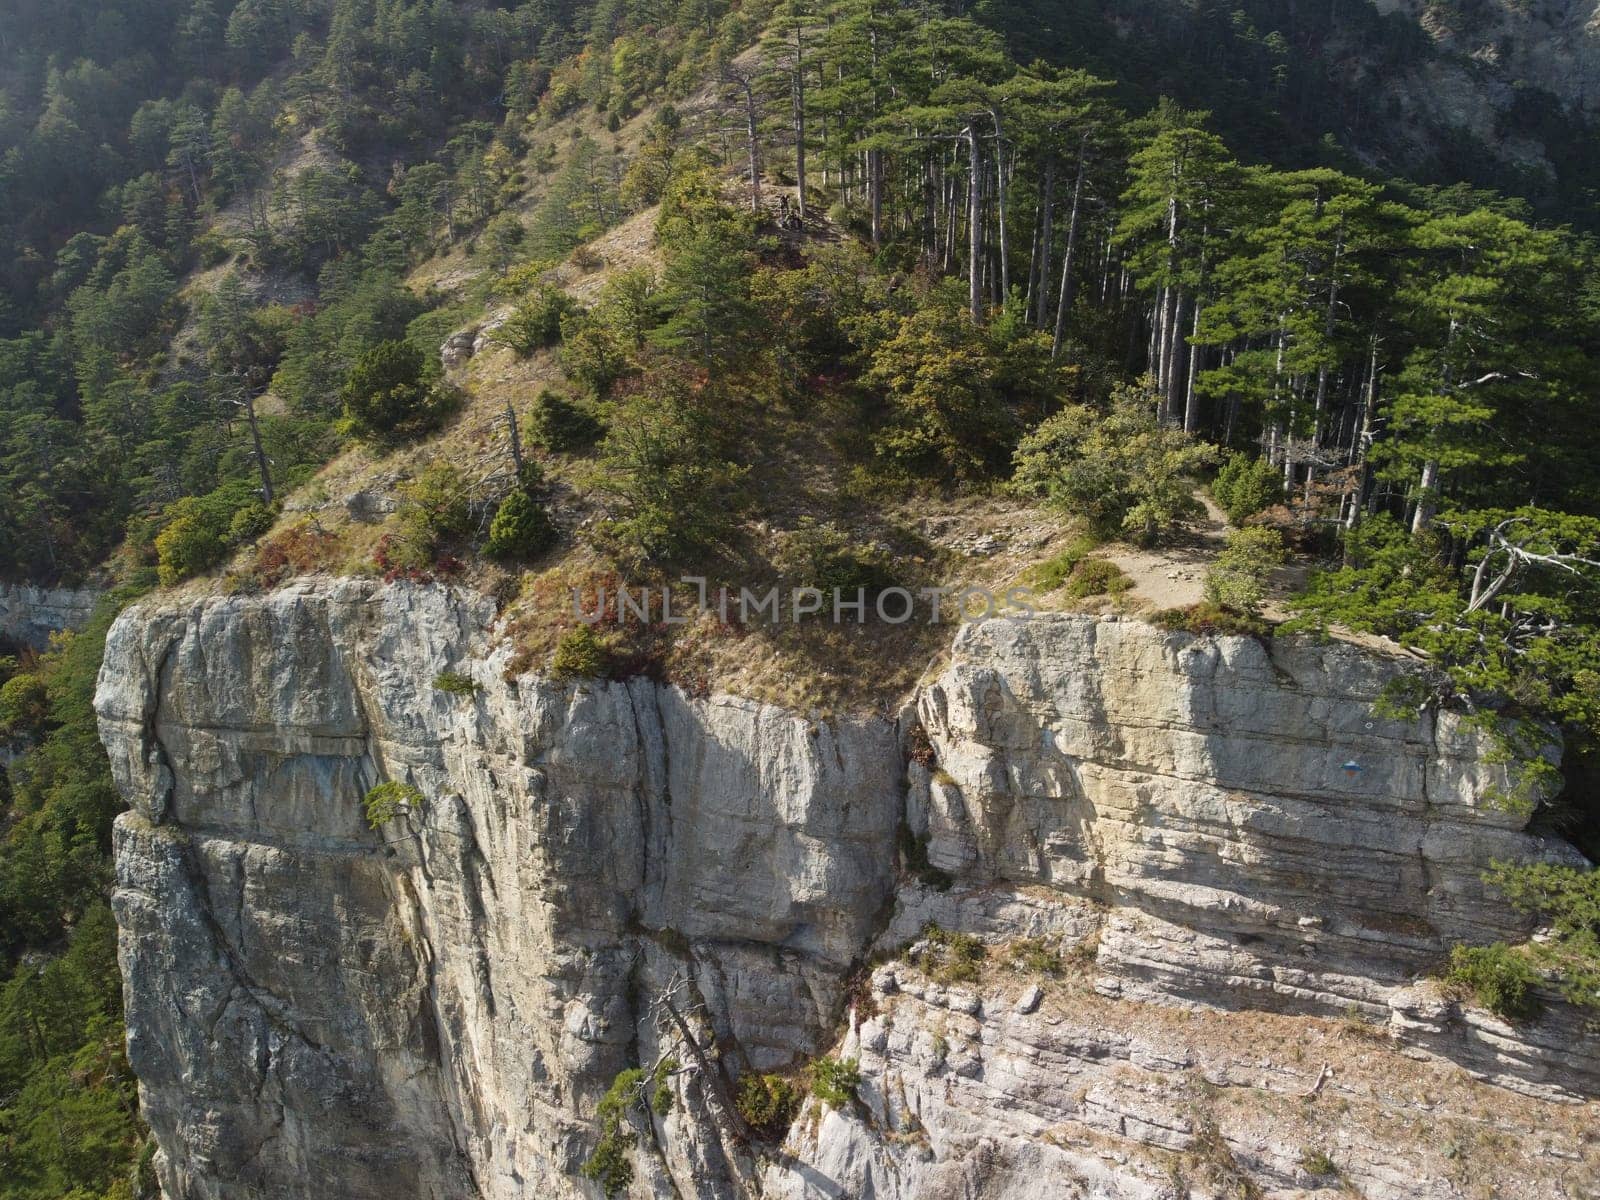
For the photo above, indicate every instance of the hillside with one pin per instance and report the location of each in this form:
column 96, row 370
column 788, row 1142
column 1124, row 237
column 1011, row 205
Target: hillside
column 1066, row 309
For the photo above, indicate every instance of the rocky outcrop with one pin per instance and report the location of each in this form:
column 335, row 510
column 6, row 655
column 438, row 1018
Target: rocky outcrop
column 1217, row 837
column 30, row 614
column 1553, row 45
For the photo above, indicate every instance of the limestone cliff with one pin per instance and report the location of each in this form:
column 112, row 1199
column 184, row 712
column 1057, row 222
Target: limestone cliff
column 29, row 614
column 1249, row 871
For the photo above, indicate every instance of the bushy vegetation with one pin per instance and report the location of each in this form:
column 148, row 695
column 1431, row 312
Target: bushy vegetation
column 434, row 513
column 389, row 800
column 581, row 654
column 453, row 683
column 769, row 1103
column 68, row 1114
column 1497, row 977
column 609, row 1165
column 1097, row 577
column 562, row 426
column 388, row 396
column 1567, row 901
column 822, row 555
column 1237, row 580
column 1122, row 470
column 1245, row 485
column 834, row 1081
column 535, row 324
column 521, row 529
column 952, row 957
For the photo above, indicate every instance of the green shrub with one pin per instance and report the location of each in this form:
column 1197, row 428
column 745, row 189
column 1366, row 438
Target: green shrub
column 521, row 529
column 1210, row 620
column 1123, row 471
column 768, row 1103
column 560, row 426
column 250, row 522
column 434, row 509
column 609, row 1165
column 1097, row 577
column 388, row 800
column 191, row 543
column 1316, row 1162
column 536, row 323
column 1245, row 485
column 665, row 470
column 661, row 1087
column 1050, row 574
column 385, row 396
column 1237, row 580
column 1036, row 956
column 581, row 654
column 825, row 557
column 24, row 707
column 951, row 957
column 1497, row 977
column 1567, row 900
column 454, row 684
column 834, row 1081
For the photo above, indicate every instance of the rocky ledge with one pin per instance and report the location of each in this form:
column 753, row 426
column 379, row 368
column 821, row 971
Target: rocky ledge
column 1211, row 884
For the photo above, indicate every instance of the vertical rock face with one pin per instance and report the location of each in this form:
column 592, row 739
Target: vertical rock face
column 318, row 1009
column 29, row 614
column 434, row 1009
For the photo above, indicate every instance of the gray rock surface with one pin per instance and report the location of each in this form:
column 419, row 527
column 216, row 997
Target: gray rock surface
column 30, row 614
column 434, row 1008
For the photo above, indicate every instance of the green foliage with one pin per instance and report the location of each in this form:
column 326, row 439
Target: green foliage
column 1316, row 1162
column 609, row 1164
column 200, row 531
column 434, row 510
column 536, row 323
column 826, row 557
column 1056, row 570
column 453, row 683
column 1123, row 471
column 1245, row 485
column 1530, row 643
column 661, row 1086
column 598, row 348
column 521, row 529
column 663, row 465
column 956, row 392
column 250, row 522
column 1567, row 900
column 1497, row 977
column 1237, row 579
column 769, row 1103
column 581, row 654
column 952, row 957
column 834, row 1081
column 1036, row 956
column 560, row 426
column 1210, row 620
column 1097, row 577
column 68, row 1108
column 24, row 707
column 386, row 398
column 389, row 800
